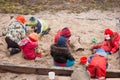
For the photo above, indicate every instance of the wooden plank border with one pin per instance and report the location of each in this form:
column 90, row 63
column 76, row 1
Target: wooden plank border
column 30, row 69
column 61, row 71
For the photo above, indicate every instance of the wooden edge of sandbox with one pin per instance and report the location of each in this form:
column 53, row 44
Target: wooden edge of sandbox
column 35, row 69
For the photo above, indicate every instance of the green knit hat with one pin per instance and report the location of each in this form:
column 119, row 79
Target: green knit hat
column 32, row 21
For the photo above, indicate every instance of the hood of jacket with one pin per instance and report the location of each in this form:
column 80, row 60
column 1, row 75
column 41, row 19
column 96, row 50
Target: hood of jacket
column 56, row 49
column 66, row 32
column 24, row 42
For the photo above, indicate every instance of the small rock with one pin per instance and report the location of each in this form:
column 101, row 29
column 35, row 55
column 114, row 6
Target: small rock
column 80, row 74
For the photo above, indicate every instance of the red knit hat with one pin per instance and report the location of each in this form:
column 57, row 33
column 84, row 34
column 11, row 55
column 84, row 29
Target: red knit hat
column 108, row 31
column 66, row 32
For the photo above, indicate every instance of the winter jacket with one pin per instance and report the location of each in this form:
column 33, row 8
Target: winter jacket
column 65, row 32
column 100, row 52
column 110, row 46
column 28, row 48
column 15, row 31
column 97, row 66
column 41, row 26
column 60, row 54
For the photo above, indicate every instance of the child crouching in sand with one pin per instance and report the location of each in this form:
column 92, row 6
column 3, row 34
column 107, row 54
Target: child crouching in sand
column 28, row 46
column 61, row 54
column 98, row 64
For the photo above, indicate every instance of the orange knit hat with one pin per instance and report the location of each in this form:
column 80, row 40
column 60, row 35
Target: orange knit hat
column 33, row 37
column 21, row 19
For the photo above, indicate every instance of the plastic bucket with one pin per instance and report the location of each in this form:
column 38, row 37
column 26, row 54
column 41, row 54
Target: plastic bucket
column 83, row 60
column 51, row 75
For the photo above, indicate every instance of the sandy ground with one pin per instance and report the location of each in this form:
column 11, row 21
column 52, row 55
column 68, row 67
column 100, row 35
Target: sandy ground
column 87, row 25
column 12, row 76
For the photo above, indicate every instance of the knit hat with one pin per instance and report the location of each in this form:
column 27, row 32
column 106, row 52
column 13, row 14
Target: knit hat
column 66, row 32
column 32, row 21
column 33, row 37
column 108, row 32
column 21, row 19
column 61, row 41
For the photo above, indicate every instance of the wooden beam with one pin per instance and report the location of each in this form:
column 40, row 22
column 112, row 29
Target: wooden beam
column 30, row 69
column 61, row 71
column 113, row 73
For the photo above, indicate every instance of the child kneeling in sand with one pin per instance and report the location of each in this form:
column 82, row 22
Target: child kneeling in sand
column 98, row 64
column 40, row 26
column 28, row 46
column 61, row 54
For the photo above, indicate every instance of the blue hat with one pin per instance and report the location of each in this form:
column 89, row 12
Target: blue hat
column 61, row 41
column 32, row 21
column 101, row 52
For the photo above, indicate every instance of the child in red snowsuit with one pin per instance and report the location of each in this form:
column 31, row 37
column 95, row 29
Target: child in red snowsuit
column 28, row 46
column 111, row 42
column 97, row 65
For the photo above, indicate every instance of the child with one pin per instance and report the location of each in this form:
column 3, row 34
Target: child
column 40, row 26
column 65, row 31
column 97, row 65
column 28, row 46
column 14, row 33
column 72, row 41
column 61, row 54
column 111, row 42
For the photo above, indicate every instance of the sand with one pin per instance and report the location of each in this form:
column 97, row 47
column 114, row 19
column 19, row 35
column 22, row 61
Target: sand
column 13, row 76
column 87, row 25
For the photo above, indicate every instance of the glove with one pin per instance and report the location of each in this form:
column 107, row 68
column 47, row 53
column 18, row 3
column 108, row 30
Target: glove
column 110, row 52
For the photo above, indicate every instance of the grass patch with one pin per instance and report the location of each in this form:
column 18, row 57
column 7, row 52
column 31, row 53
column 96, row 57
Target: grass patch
column 34, row 6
